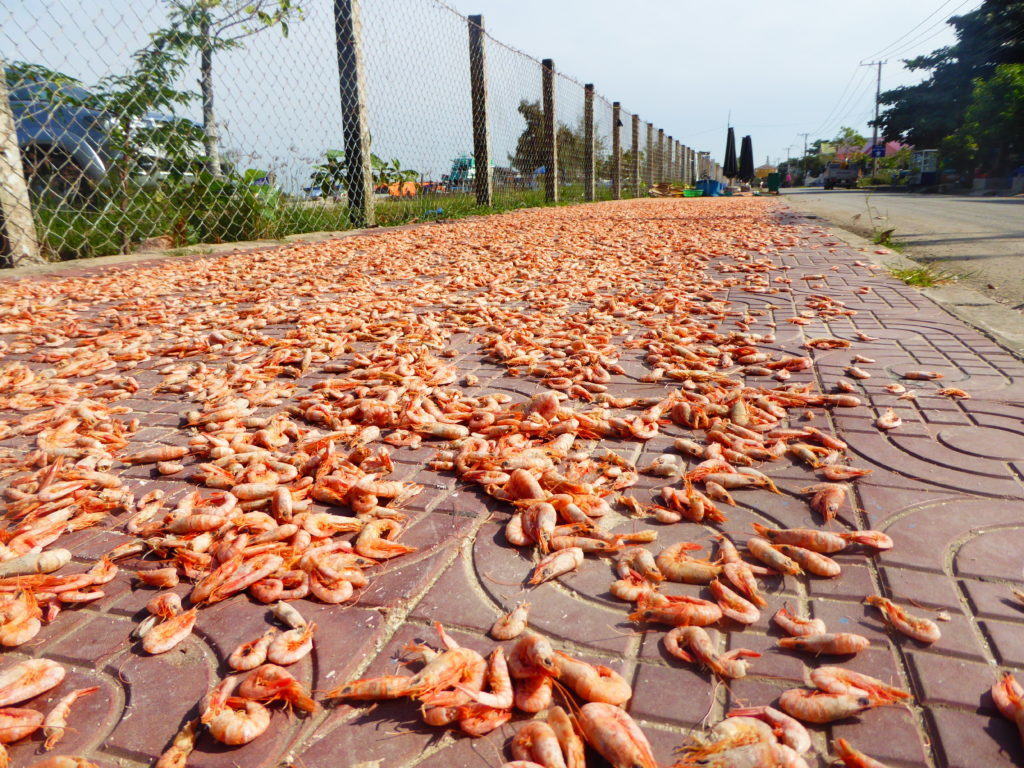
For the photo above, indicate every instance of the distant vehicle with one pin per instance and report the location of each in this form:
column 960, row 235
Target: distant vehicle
column 65, row 144
column 840, row 175
column 462, row 174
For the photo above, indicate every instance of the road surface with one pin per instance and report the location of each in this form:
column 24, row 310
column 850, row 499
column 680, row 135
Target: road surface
column 979, row 238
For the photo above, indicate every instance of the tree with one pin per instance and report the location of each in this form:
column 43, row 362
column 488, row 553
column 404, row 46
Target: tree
column 217, row 25
column 926, row 113
column 529, row 152
column 992, row 133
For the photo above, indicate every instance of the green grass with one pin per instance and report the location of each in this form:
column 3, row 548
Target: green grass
column 884, row 238
column 924, row 276
column 190, row 217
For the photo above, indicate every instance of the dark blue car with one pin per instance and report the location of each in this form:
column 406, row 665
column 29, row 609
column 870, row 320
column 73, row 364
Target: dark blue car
column 65, row 144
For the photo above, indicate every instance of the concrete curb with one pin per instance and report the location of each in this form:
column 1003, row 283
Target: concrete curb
column 997, row 321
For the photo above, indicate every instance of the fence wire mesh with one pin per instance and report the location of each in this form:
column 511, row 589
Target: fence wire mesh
column 166, row 123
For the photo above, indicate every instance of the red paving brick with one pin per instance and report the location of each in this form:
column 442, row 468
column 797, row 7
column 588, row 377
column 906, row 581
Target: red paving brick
column 946, row 487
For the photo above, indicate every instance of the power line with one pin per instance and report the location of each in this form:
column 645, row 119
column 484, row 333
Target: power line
column 886, row 50
column 825, row 122
column 917, row 41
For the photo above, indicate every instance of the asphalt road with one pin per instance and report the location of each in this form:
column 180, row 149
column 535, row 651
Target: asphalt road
column 979, row 238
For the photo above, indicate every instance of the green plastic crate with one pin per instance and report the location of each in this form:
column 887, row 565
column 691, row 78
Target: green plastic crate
column 693, row 193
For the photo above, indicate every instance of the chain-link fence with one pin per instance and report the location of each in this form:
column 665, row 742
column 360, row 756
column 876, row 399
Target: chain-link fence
column 162, row 123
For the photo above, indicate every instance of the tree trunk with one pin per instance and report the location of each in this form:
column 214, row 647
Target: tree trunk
column 211, row 141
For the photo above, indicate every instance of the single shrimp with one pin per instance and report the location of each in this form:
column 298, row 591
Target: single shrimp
column 873, row 539
column 854, row 758
column 532, row 655
column 797, row 626
column 182, row 746
column 251, row 654
column 15, row 724
column 839, row 644
column 763, row 550
column 812, row 562
column 837, row 472
column 373, row 688
column 292, row 645
column 676, row 565
column 922, row 630
column 676, row 611
column 824, row 542
column 534, row 694
column 615, row 735
column 239, row 722
column 536, row 740
column 698, row 641
column 820, row 707
column 826, row 498
column 1008, row 696
column 28, row 679
column 573, row 747
column 164, row 636
column 158, row 577
column 592, row 682
column 789, row 731
column 270, row 682
column 888, row 420
column 734, row 606
column 498, row 680
column 164, row 605
column 556, row 564
column 57, row 718
column 839, row 680
column 639, row 560
column 512, row 624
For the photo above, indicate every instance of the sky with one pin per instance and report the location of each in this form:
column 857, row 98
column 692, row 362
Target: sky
column 775, row 69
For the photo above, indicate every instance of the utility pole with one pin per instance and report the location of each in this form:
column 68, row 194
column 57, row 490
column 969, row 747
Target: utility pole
column 878, row 95
column 803, row 157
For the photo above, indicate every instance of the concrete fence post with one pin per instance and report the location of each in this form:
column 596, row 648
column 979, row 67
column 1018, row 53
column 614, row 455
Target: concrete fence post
column 650, row 156
column 355, row 130
column 616, row 150
column 550, row 131
column 19, row 229
column 481, row 127
column 589, row 189
column 634, row 166
column 659, row 158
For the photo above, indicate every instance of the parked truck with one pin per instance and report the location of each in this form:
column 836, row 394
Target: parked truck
column 840, row 175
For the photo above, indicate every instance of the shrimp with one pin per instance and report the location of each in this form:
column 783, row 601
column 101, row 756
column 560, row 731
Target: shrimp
column 789, row 731
column 826, row 498
column 640, row 560
column 164, row 636
column 873, row 539
column 763, row 550
column 854, row 758
column 824, row 542
column 725, row 666
column 239, row 722
column 512, row 624
column 28, row 679
column 840, row 643
column 532, row 655
column 374, row 540
column 888, row 420
column 676, row 611
column 675, row 565
column 797, row 626
column 615, row 735
column 270, row 682
column 922, row 630
column 569, row 739
column 733, row 605
column 835, row 472
column 592, row 682
column 158, row 577
column 812, row 562
column 373, row 688
column 15, row 724
column 839, row 680
column 1008, row 696
column 533, row 694
column 536, row 740
column 291, row 646
column 501, row 694
column 556, row 564
column 922, row 375
column 176, row 756
column 57, row 718
column 251, row 654
column 820, row 707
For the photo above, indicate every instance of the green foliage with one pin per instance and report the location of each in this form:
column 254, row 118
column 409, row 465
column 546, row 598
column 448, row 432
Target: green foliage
column 924, row 276
column 929, row 113
column 329, row 176
column 993, row 126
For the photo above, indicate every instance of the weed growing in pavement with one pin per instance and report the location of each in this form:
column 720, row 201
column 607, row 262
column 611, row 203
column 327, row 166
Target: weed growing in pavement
column 884, row 238
column 924, row 276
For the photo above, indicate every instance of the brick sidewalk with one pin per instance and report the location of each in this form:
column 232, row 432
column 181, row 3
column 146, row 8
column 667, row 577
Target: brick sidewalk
column 946, row 486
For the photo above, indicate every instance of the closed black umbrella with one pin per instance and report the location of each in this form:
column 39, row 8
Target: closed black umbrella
column 729, row 164
column 746, row 160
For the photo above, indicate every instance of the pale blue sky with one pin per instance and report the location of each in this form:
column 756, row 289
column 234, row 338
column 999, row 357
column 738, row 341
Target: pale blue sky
column 781, row 68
